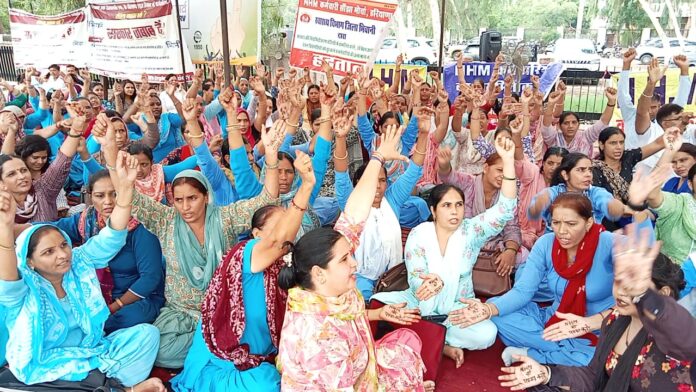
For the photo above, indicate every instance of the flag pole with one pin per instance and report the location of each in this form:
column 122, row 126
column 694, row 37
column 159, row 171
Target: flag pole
column 181, row 44
column 225, row 42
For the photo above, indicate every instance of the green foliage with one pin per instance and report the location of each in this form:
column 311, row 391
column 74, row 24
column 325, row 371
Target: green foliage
column 39, row 7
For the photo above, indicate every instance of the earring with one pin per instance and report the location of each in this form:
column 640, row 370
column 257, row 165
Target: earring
column 322, row 280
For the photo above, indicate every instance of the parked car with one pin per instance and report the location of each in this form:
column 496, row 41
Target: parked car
column 470, row 49
column 575, row 53
column 654, row 48
column 420, row 50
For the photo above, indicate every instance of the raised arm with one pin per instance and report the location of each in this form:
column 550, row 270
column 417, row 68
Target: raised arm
column 360, row 201
column 628, row 109
column 655, row 74
column 611, row 104
column 645, row 188
column 268, row 250
column 8, row 257
column 684, row 88
column 261, row 112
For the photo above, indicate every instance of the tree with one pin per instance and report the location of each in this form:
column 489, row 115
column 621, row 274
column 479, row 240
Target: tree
column 39, row 7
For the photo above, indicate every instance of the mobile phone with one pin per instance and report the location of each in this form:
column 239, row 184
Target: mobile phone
column 436, row 318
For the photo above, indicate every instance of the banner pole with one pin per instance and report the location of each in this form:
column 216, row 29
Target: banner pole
column 181, row 44
column 442, row 34
column 225, row 43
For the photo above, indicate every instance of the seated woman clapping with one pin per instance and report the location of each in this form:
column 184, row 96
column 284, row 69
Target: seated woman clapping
column 55, row 309
column 243, row 309
column 440, row 257
column 643, row 344
column 326, row 342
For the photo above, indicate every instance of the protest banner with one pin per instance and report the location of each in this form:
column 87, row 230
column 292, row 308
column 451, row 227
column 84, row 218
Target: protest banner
column 346, row 34
column 667, row 88
column 548, row 74
column 131, row 38
column 39, row 41
column 203, row 33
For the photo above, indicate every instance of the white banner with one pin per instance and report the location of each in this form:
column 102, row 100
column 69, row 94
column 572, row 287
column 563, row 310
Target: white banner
column 128, row 39
column 39, row 41
column 346, row 34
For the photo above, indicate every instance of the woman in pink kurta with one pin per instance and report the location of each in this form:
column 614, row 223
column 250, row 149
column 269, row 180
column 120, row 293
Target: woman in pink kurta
column 326, row 342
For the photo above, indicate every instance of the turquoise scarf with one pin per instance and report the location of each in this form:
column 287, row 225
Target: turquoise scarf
column 198, row 263
column 310, row 219
column 41, row 325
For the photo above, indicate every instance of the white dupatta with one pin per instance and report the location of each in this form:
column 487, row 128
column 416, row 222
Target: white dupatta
column 380, row 242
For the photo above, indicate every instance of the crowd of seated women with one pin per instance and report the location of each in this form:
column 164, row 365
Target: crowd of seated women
column 234, row 235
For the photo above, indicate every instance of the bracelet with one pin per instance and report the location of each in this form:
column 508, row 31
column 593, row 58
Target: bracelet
column 512, row 249
column 377, row 157
column 199, row 136
column 109, row 167
column 509, row 178
column 646, row 96
column 341, row 158
column 611, row 106
column 119, row 303
column 123, row 206
column 322, row 120
column 10, row 248
column 637, row 207
column 490, row 310
column 272, row 167
column 79, row 135
column 548, row 377
column 292, row 203
column 233, row 127
column 292, row 125
column 415, row 149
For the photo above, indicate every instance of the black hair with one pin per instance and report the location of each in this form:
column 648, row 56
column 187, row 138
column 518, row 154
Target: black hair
column 313, row 249
column 566, row 114
column 124, row 83
column 31, row 144
column 93, row 178
column 479, row 80
column 166, row 78
column 56, row 66
column 139, row 148
column 666, row 111
column 284, row 155
column 361, row 170
column 667, row 273
column 4, row 158
column 555, row 150
column 313, row 86
column 225, row 150
column 657, row 97
column 190, row 181
column 37, row 236
column 500, row 130
column 437, row 193
column 688, row 148
column 605, row 135
column 314, row 116
column 258, row 220
column 576, row 201
column 386, row 116
column 692, row 173
column 567, row 164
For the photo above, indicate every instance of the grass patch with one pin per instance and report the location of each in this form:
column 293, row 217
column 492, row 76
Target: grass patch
column 585, row 102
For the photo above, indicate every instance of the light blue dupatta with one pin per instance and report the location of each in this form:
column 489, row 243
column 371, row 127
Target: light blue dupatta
column 40, row 326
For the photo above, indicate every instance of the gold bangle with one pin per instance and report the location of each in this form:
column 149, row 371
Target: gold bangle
column 322, row 120
column 120, row 304
column 233, row 127
column 292, row 125
column 341, row 158
column 199, row 136
column 415, row 149
column 109, row 167
column 10, row 248
column 272, row 167
column 122, row 206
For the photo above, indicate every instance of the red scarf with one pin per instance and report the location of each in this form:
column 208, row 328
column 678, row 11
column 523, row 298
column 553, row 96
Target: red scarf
column 222, row 310
column 574, row 298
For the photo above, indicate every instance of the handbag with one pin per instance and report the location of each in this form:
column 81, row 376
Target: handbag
column 395, row 279
column 487, row 282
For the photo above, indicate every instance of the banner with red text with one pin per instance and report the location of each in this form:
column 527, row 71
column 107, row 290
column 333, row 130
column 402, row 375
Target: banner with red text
column 345, row 33
column 39, row 41
column 127, row 39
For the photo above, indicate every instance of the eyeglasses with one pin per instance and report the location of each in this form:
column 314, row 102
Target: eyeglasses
column 673, row 119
